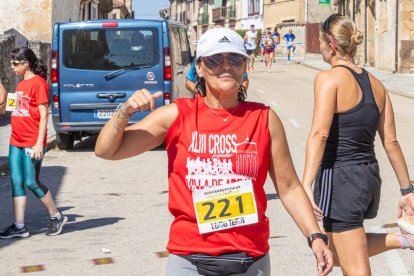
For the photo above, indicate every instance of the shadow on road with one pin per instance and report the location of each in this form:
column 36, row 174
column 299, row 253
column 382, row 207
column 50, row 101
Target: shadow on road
column 88, row 224
column 36, row 217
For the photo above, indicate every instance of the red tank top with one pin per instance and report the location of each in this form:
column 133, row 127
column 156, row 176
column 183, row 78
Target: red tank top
column 204, row 151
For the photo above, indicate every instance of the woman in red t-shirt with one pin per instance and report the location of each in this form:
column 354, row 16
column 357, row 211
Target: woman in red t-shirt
column 220, row 149
column 28, row 143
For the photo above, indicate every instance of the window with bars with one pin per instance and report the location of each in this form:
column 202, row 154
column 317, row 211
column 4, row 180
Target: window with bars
column 253, row 7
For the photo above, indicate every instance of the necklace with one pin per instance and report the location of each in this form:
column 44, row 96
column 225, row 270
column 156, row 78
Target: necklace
column 228, row 116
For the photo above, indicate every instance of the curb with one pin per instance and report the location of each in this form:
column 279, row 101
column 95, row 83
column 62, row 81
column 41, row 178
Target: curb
column 4, row 161
column 396, row 92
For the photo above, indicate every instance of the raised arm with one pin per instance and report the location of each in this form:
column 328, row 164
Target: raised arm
column 291, row 192
column 323, row 112
column 388, row 134
column 118, row 142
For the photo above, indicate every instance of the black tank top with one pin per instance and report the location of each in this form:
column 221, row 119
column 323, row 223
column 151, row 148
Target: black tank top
column 352, row 134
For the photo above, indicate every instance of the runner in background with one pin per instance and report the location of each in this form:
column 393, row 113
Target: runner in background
column 269, row 50
column 262, row 45
column 276, row 38
column 290, row 44
column 250, row 42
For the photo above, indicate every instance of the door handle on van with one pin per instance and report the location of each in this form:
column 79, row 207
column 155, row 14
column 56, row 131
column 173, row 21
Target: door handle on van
column 111, row 96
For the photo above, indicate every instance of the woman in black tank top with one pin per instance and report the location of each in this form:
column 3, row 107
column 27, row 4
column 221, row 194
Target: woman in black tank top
column 350, row 107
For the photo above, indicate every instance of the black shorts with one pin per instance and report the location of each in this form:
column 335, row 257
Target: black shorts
column 338, row 226
column 349, row 193
column 250, row 52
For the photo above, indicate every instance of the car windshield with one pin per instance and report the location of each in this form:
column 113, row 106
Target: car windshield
column 110, row 49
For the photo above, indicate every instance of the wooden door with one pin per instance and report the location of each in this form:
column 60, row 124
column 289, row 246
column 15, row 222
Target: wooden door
column 312, row 38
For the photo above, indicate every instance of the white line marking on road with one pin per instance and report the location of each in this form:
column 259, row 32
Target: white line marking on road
column 294, row 123
column 392, row 257
column 274, row 103
column 260, row 91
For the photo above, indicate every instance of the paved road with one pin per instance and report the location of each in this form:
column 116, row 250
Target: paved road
column 122, row 206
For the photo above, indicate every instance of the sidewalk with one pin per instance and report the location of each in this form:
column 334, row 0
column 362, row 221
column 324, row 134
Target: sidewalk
column 401, row 84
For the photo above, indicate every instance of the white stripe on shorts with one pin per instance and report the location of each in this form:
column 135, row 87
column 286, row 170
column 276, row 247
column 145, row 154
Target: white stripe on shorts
column 326, row 188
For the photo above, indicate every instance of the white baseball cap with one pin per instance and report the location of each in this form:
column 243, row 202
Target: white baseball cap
column 220, row 40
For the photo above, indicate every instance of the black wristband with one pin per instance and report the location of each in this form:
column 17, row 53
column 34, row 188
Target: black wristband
column 315, row 236
column 409, row 189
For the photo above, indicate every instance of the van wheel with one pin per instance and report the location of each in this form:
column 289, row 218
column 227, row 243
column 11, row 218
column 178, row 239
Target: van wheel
column 65, row 141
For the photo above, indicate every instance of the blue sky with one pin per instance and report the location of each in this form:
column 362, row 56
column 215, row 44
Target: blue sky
column 148, row 8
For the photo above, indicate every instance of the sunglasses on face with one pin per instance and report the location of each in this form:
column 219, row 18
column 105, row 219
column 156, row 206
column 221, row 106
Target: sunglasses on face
column 325, row 24
column 218, row 59
column 325, row 27
column 17, row 62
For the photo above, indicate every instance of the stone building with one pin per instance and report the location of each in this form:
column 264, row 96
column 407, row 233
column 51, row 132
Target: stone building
column 121, row 9
column 303, row 17
column 388, row 28
column 204, row 14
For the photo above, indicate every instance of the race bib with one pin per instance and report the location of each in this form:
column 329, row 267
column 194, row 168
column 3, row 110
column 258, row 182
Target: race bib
column 11, row 104
column 226, row 206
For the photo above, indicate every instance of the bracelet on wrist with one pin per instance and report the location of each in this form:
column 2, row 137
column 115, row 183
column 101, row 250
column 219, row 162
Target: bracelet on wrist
column 407, row 190
column 122, row 113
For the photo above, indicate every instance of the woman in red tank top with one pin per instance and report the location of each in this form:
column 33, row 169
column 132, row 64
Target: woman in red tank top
column 220, row 149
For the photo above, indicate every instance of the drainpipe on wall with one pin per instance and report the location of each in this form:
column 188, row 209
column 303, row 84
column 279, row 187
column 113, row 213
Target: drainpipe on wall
column 353, row 10
column 397, row 11
column 306, row 27
column 366, row 33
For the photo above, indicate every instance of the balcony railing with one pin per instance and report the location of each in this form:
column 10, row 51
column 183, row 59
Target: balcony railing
column 223, row 13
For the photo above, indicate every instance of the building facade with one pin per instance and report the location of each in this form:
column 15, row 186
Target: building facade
column 29, row 23
column 121, row 9
column 200, row 15
column 252, row 14
column 302, row 16
column 388, row 28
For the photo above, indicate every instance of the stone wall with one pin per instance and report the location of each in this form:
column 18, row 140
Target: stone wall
column 6, row 74
column 43, row 52
column 65, row 11
column 31, row 18
column 7, row 44
column 406, row 53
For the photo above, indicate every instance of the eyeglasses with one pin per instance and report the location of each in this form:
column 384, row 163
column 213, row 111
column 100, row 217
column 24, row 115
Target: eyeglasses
column 17, row 62
column 325, row 27
column 216, row 60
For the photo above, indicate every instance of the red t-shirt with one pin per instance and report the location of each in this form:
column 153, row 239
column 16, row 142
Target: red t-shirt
column 203, row 150
column 25, row 119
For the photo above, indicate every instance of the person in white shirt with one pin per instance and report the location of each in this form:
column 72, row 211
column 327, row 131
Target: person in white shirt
column 250, row 42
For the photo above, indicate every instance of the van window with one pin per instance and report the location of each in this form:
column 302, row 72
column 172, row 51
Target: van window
column 110, row 49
